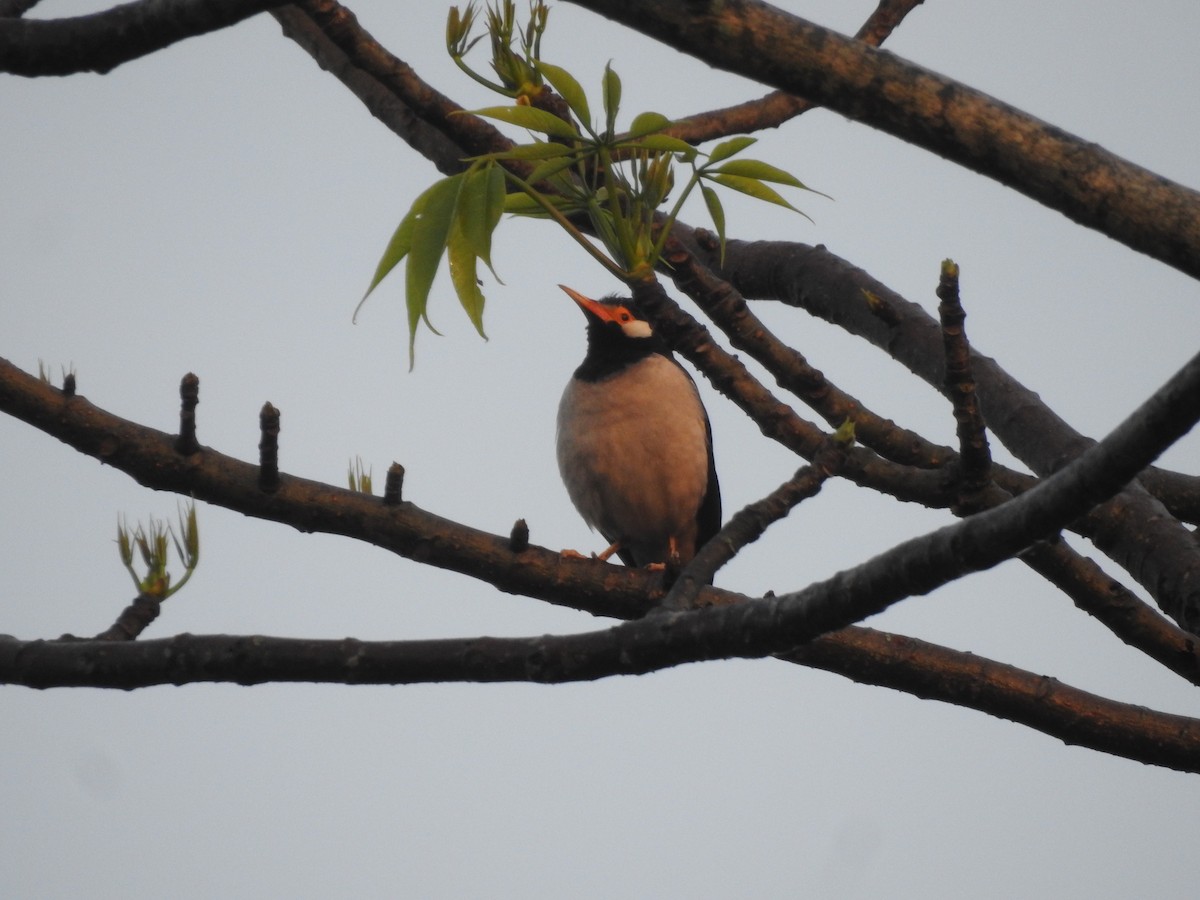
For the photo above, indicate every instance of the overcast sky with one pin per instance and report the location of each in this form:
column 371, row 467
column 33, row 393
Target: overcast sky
column 219, row 207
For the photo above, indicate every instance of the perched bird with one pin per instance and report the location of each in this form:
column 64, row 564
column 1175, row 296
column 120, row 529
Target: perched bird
column 634, row 442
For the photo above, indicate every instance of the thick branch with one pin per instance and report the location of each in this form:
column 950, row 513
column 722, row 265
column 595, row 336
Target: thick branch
column 1092, row 591
column 383, row 102
column 779, row 421
column 1134, row 529
column 16, row 8
column 341, row 30
column 729, row 311
column 864, row 655
column 120, row 443
column 1086, row 183
column 917, row 566
column 102, row 41
column 1116, row 607
column 150, row 457
column 1072, row 715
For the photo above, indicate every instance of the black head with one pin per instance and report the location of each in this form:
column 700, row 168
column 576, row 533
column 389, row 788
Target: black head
column 618, row 335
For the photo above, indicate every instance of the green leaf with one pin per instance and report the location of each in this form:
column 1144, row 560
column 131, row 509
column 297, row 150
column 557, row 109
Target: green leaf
column 539, row 150
column 430, row 232
column 717, row 213
column 647, row 123
column 751, row 186
column 550, row 168
column 612, row 98
column 522, row 205
column 480, row 204
column 753, row 168
column 530, row 117
column 657, row 179
column 464, row 274
column 663, row 143
column 728, row 148
column 398, row 246
column 496, row 193
column 566, row 85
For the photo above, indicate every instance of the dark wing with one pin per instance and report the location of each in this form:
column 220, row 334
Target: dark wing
column 709, row 518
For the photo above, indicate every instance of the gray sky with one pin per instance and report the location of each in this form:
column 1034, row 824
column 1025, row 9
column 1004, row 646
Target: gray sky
column 219, row 207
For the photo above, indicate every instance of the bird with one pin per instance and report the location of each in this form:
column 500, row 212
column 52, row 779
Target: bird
column 634, row 443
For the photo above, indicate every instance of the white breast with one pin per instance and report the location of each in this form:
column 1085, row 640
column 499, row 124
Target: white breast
column 633, row 451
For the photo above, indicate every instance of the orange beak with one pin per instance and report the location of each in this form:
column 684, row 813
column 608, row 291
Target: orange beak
column 587, row 304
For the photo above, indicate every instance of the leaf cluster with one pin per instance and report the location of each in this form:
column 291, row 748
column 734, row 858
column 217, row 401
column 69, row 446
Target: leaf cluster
column 153, row 548
column 583, row 174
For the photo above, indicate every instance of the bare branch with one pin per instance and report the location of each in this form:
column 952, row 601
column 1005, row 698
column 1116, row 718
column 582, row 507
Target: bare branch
column 16, row 8
column 775, row 625
column 1086, row 183
column 102, row 41
column 775, row 418
column 750, row 523
column 975, row 472
column 149, row 457
column 133, row 620
column 778, row 107
column 380, row 100
column 1071, row 715
column 1133, row 529
column 1116, row 607
column 862, row 654
column 189, row 399
column 747, row 332
column 359, row 50
column 110, row 438
column 1092, row 591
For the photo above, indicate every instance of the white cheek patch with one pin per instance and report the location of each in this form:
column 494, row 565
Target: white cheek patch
column 636, row 328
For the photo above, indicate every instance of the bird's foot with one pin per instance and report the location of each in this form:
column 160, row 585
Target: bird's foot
column 602, row 556
column 609, row 551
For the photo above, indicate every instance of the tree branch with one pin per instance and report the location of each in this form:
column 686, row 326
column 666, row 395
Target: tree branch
column 778, row 107
column 1046, row 704
column 776, row 419
column 917, row 566
column 975, row 471
column 150, row 457
column 89, row 429
column 1091, row 590
column 750, row 523
column 380, row 100
column 341, row 30
column 16, row 8
column 728, row 310
column 1116, row 607
column 1134, row 529
column 862, row 654
column 1086, row 183
column 102, row 41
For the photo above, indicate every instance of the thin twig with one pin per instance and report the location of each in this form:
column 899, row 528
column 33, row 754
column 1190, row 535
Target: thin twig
column 749, row 524
column 778, row 107
column 975, row 469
